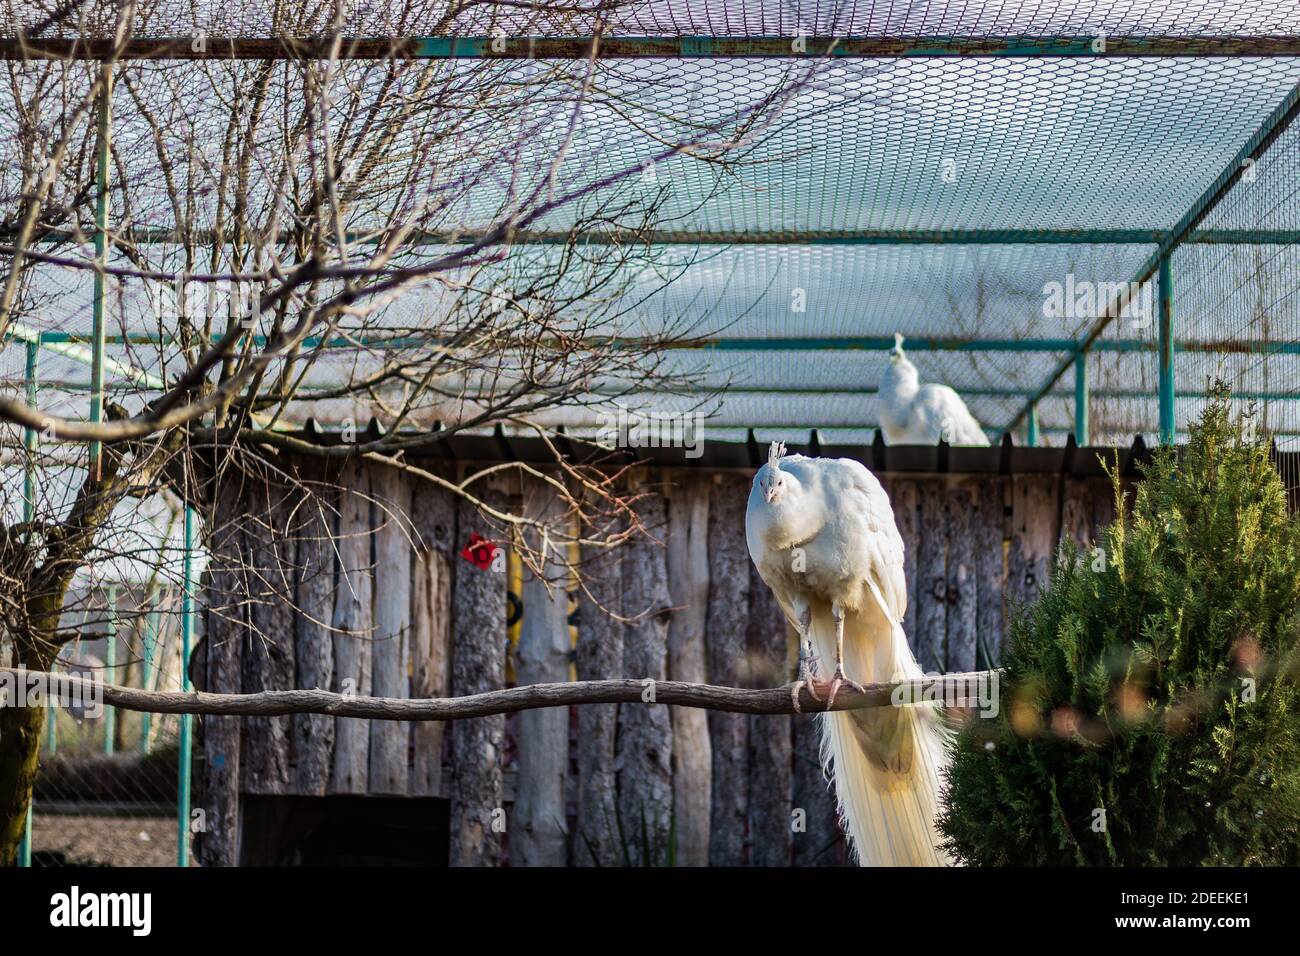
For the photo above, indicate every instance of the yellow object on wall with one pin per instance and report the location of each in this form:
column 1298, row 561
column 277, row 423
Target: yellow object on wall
column 515, row 607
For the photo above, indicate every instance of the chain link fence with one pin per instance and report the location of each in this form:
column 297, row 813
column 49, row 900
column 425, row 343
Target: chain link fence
column 106, row 794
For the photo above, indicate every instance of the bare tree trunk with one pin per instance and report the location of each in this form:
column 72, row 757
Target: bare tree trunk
column 390, row 740
column 688, row 579
column 538, row 833
column 20, row 745
column 769, row 737
column 725, row 633
column 352, row 629
column 313, row 734
column 478, row 664
column 433, row 512
column 645, row 740
column 596, row 840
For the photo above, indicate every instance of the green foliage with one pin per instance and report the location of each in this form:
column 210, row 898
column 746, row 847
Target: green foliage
column 1128, row 684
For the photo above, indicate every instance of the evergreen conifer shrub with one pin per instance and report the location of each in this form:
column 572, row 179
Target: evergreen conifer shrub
column 1150, row 713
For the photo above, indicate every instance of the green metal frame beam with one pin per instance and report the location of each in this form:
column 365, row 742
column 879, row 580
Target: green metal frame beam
column 186, row 743
column 880, row 343
column 110, row 670
column 54, row 340
column 641, row 47
column 1277, row 122
column 73, row 346
column 30, row 443
column 142, row 236
column 1245, row 395
column 102, row 166
column 870, row 426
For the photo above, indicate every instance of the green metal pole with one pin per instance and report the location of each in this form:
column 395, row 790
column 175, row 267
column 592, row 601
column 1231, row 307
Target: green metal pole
column 110, row 671
column 147, row 641
column 1031, row 431
column 30, row 436
column 1165, row 337
column 51, row 726
column 101, row 259
column 1081, row 399
column 25, row 844
column 30, row 440
column 187, row 740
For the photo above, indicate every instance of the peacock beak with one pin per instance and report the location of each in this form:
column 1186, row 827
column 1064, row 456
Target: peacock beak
column 770, row 495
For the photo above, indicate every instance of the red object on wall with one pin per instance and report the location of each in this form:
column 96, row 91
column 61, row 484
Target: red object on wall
column 479, row 552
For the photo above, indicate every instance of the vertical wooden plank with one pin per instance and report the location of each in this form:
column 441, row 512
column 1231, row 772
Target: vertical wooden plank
column 225, row 635
column 390, row 740
column 596, row 840
column 478, row 665
column 725, row 632
column 1076, row 513
column 903, row 496
column 269, row 657
column 990, row 562
column 1103, row 505
column 932, row 578
column 433, row 512
column 816, row 836
column 1033, row 535
column 353, row 628
column 769, row 737
column 688, row 580
column 962, row 589
column 538, row 833
column 645, row 738
column 313, row 734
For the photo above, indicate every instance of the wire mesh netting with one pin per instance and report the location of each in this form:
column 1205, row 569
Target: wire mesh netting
column 991, row 204
column 930, row 196
column 107, row 791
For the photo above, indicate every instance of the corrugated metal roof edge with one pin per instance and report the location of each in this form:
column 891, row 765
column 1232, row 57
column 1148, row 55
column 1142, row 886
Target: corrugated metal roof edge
column 1003, row 458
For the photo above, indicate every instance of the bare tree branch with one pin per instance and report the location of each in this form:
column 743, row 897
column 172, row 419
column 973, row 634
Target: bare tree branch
column 770, row 700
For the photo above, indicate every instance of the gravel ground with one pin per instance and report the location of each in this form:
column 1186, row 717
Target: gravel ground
column 59, row 840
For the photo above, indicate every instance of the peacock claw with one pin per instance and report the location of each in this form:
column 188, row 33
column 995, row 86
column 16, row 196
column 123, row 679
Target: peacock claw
column 806, row 679
column 838, row 681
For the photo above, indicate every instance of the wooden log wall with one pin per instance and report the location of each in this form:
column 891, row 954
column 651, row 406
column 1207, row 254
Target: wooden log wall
column 365, row 590
column 542, row 738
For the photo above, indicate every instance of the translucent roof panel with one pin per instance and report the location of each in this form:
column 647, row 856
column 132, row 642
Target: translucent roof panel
column 937, row 196
column 968, row 292
column 921, row 144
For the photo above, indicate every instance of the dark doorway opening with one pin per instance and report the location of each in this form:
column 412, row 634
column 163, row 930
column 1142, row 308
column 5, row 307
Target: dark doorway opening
column 344, row 831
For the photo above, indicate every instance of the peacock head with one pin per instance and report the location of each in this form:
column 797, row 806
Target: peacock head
column 772, row 481
column 896, row 354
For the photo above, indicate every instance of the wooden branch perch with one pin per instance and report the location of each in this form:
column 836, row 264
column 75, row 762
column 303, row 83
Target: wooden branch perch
column 274, row 703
